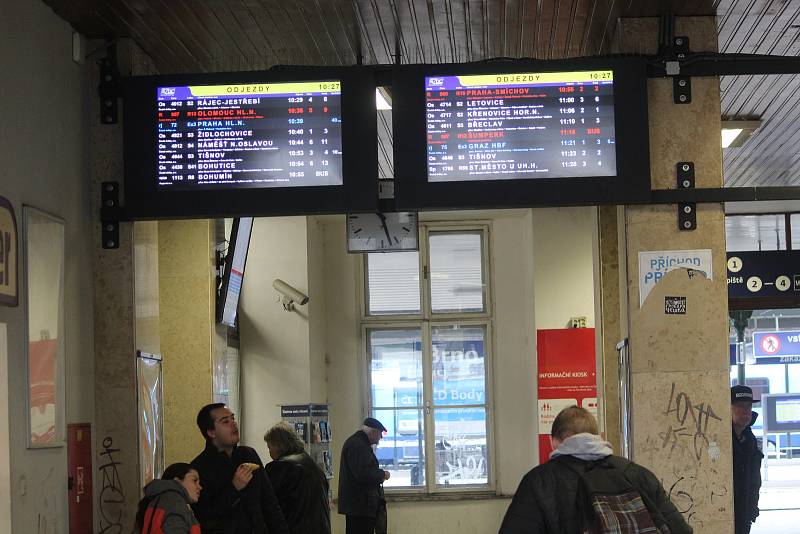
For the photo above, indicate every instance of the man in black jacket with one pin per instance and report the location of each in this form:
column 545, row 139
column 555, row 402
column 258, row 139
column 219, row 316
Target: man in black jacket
column 361, row 497
column 746, row 459
column 546, row 499
column 237, row 496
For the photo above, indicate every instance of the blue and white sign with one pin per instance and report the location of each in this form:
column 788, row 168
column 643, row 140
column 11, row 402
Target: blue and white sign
column 653, row 265
column 777, row 347
column 767, row 273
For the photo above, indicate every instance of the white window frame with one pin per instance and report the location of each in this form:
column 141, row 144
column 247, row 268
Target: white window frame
column 425, row 321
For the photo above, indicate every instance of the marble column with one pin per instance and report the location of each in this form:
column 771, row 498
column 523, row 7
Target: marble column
column 681, row 426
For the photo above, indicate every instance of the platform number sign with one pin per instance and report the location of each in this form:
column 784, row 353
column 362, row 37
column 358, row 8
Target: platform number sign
column 8, row 254
column 768, row 273
column 783, row 283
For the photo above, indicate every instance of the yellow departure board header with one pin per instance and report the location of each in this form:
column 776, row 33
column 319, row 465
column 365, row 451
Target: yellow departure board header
column 328, row 86
column 519, row 78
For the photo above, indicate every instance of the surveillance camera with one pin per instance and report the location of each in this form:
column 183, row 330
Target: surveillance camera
column 290, row 294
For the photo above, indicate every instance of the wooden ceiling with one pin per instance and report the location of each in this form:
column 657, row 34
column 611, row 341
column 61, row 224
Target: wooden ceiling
column 227, row 35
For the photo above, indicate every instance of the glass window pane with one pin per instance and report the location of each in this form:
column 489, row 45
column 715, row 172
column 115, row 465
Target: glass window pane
column 795, row 221
column 402, row 449
column 395, row 368
column 393, row 283
column 794, row 378
column 459, row 365
column 755, row 232
column 771, row 376
column 456, row 265
column 460, row 446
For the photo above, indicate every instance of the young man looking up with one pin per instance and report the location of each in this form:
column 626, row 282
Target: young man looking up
column 237, row 498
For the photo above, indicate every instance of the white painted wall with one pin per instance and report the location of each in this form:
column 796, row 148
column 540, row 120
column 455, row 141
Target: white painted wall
column 44, row 151
column 562, row 265
column 542, row 274
column 5, row 460
column 317, row 306
column 274, row 344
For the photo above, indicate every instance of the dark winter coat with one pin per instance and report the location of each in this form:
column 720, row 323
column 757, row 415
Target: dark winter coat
column 545, row 501
column 302, row 491
column 224, row 510
column 360, row 478
column 746, row 479
column 168, row 511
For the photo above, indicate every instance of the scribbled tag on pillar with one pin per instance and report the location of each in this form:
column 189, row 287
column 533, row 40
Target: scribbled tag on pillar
column 675, row 305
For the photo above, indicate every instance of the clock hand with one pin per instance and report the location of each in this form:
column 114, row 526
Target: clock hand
column 385, row 228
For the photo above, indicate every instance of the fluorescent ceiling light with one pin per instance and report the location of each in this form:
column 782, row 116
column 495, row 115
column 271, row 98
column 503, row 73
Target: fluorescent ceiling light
column 382, row 100
column 736, row 132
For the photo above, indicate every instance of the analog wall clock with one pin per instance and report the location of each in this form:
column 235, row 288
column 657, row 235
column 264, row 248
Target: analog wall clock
column 382, row 232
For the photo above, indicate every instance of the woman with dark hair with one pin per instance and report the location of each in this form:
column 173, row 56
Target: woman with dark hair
column 299, row 483
column 165, row 506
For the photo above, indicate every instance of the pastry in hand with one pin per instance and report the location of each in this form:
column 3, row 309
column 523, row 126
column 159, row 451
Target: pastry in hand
column 251, row 466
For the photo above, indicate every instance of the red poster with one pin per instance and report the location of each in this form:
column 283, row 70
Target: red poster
column 42, row 390
column 567, row 371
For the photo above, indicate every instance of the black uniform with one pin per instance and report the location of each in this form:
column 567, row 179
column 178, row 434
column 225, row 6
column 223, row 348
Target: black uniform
column 361, row 496
column 302, row 491
column 224, row 510
column 746, row 479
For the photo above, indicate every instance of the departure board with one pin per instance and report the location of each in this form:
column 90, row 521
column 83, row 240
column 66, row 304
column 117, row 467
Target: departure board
column 520, row 126
column 249, row 135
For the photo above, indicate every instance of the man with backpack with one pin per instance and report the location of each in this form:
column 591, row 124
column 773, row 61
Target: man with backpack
column 584, row 488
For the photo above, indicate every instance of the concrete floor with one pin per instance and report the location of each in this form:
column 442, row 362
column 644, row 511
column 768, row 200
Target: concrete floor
column 780, row 499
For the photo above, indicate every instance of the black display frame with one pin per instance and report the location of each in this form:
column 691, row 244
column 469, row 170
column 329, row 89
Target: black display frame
column 358, row 193
column 222, row 294
column 769, row 405
column 631, row 184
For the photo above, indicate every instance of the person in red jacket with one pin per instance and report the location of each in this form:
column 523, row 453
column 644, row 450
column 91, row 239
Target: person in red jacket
column 165, row 506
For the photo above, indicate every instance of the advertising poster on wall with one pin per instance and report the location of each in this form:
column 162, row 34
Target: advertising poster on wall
column 567, row 375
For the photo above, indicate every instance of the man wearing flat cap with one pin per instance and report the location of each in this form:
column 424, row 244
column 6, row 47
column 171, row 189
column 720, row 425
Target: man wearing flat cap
column 746, row 459
column 361, row 498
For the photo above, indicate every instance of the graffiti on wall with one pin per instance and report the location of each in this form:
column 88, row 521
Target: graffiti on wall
column 112, row 496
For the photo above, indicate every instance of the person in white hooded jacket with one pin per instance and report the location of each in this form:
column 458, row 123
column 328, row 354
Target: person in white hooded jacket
column 545, row 501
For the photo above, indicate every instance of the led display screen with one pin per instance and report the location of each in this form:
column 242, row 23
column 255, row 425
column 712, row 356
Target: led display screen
column 238, row 246
column 249, row 135
column 521, row 133
column 787, row 411
column 285, row 141
column 523, row 125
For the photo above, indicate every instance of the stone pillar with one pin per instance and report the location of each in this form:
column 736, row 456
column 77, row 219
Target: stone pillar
column 116, row 479
column 681, row 426
column 610, row 326
column 187, row 301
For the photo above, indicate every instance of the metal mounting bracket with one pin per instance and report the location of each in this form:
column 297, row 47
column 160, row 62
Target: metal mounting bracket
column 109, row 88
column 110, row 214
column 687, row 211
column 681, row 85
